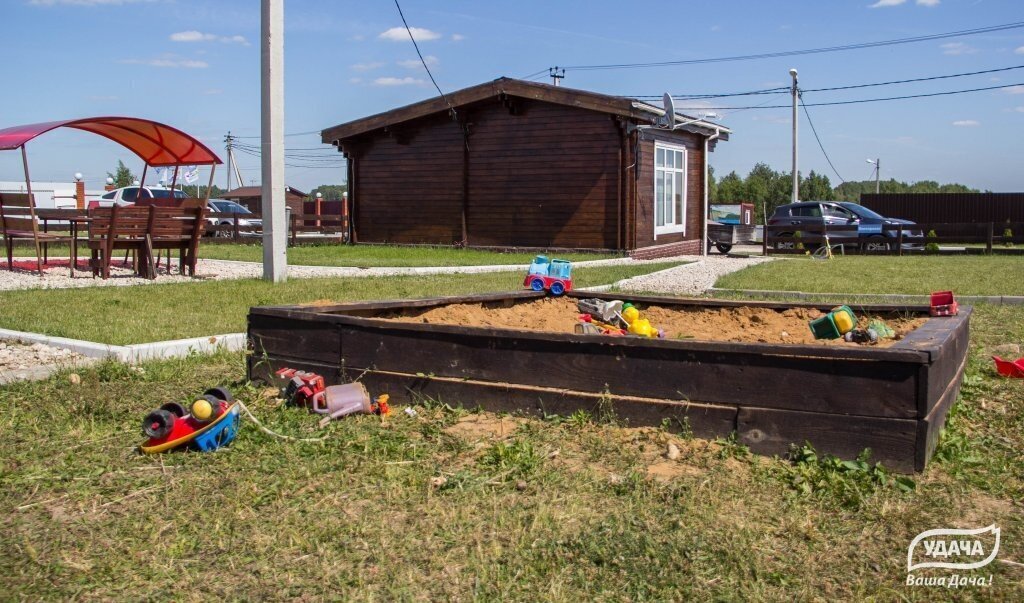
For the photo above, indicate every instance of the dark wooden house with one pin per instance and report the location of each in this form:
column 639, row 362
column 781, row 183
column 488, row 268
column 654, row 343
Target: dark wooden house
column 511, row 163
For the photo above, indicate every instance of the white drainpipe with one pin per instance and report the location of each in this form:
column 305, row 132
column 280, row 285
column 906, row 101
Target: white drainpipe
column 704, row 224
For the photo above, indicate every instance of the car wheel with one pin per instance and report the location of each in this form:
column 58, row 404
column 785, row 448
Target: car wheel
column 785, row 244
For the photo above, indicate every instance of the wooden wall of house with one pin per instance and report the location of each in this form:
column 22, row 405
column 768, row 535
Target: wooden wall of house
column 542, row 175
column 409, row 184
column 645, row 187
column 539, row 175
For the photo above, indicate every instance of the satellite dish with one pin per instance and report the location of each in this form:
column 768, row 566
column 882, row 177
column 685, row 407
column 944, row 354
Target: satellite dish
column 670, row 111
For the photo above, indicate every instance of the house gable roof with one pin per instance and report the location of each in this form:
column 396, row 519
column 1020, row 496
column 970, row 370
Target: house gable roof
column 560, row 95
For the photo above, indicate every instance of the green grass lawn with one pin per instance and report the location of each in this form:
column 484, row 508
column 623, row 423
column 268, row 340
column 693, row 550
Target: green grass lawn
column 555, row 510
column 367, row 256
column 125, row 315
column 383, row 255
column 966, row 275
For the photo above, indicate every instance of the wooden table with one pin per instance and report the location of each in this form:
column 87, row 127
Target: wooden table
column 75, row 219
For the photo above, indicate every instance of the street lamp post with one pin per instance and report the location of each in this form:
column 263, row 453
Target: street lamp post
column 878, row 173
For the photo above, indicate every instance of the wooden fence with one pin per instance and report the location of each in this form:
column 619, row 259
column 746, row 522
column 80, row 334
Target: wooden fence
column 900, row 239
column 949, row 208
column 234, row 228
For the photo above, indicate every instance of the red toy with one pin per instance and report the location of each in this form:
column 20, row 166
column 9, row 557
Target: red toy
column 1007, row 368
column 302, row 387
column 943, row 304
column 549, row 275
column 309, row 390
column 212, row 423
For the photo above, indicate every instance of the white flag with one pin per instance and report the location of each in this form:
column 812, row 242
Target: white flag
column 161, row 175
column 191, row 174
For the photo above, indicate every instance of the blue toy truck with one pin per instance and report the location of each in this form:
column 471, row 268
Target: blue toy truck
column 549, row 275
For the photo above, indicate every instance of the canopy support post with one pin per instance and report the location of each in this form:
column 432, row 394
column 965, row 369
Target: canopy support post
column 206, row 199
column 31, row 210
column 174, row 181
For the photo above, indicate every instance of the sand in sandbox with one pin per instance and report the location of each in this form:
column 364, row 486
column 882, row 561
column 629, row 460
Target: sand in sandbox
column 742, row 324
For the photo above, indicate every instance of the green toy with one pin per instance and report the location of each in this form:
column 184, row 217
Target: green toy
column 835, row 324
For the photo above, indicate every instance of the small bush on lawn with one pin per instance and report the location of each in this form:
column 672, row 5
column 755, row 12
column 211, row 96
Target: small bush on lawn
column 931, row 247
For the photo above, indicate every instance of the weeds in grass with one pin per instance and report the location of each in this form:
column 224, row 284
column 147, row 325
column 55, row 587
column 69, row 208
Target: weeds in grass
column 513, row 459
column 844, row 483
column 604, row 413
column 731, row 448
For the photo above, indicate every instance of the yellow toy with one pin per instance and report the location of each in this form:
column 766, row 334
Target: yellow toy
column 637, row 325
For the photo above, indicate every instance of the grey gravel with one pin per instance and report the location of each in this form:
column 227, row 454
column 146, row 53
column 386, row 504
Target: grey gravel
column 690, row 279
column 15, row 356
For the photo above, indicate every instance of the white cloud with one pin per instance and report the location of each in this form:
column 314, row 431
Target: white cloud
column 103, row 98
column 168, row 62
column 366, row 66
column 716, row 28
column 966, row 123
column 415, row 63
column 213, row 91
column 1020, row 50
column 198, row 36
column 928, row 3
column 957, row 48
column 85, row 2
column 1019, row 109
column 887, row 3
column 458, row 37
column 398, row 34
column 397, row 81
column 355, row 80
column 1014, row 90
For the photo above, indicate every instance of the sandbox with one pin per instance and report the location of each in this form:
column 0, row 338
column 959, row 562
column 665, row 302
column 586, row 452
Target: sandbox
column 746, row 367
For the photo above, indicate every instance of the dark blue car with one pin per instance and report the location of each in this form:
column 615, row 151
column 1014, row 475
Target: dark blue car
column 875, row 230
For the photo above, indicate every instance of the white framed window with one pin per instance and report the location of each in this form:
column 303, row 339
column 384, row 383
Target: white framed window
column 669, row 189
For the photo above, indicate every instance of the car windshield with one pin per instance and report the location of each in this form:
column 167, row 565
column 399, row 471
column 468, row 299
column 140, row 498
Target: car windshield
column 862, row 211
column 230, row 207
column 163, row 193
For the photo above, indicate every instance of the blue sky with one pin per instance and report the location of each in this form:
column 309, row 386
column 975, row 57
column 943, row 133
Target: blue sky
column 195, row 65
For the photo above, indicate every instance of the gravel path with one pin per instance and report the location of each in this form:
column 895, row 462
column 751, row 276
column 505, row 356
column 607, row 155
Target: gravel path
column 690, row 279
column 58, row 277
column 19, row 361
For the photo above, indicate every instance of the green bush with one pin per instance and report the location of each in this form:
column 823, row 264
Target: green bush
column 798, row 235
column 931, row 247
column 1007, row 236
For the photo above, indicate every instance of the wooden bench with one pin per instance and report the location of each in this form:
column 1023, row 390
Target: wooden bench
column 120, row 229
column 178, row 228
column 18, row 220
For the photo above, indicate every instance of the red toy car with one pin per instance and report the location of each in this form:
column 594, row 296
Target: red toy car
column 549, row 275
column 943, row 304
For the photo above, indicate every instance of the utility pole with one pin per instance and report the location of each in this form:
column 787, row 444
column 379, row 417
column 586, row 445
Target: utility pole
column 228, row 140
column 275, row 230
column 556, row 74
column 796, row 173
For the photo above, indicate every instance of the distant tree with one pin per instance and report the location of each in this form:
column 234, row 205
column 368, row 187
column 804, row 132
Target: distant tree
column 816, row 187
column 122, row 176
column 197, row 191
column 731, row 189
column 331, row 192
column 712, row 185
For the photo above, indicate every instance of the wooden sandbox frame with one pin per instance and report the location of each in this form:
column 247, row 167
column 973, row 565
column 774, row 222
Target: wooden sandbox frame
column 841, row 399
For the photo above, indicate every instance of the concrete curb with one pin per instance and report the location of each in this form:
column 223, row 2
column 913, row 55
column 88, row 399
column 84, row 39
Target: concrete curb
column 138, row 352
column 1005, row 300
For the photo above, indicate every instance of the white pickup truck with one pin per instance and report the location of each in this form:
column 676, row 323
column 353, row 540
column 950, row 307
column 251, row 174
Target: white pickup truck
column 128, row 195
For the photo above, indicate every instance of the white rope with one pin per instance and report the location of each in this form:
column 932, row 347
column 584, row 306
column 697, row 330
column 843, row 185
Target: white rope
column 274, row 433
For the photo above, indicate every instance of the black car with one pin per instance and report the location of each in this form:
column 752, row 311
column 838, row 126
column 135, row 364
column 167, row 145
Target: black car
column 878, row 230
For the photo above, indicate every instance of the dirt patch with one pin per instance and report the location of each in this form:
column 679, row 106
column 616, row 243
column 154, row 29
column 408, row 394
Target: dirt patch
column 484, row 426
column 743, row 324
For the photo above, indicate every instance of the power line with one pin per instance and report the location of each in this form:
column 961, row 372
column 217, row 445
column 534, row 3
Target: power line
column 833, row 88
column 420, row 54
column 820, row 146
column 789, row 53
column 863, row 100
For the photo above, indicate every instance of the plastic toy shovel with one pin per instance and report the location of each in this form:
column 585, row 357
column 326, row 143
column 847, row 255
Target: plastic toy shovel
column 1007, row 368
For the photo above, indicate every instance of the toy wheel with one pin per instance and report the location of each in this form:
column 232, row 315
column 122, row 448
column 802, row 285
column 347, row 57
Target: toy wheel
column 557, row 288
column 723, row 247
column 221, row 393
column 201, row 413
column 537, row 284
column 175, row 409
column 158, row 423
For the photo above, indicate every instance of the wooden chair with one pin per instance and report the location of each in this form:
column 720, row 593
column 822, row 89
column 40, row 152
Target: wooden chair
column 120, row 228
column 178, row 228
column 18, row 221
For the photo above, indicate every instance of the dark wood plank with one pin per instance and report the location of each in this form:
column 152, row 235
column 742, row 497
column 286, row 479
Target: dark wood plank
column 772, row 431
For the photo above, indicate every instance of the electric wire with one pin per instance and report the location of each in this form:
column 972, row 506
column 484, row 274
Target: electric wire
column 829, row 89
column 865, row 100
column 788, row 53
column 420, row 54
column 816, row 137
